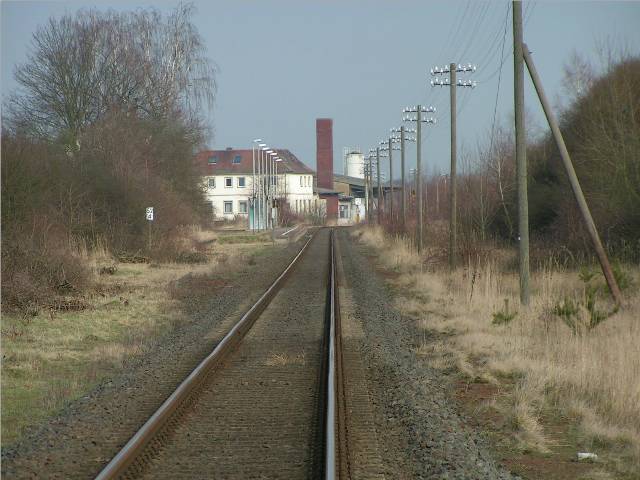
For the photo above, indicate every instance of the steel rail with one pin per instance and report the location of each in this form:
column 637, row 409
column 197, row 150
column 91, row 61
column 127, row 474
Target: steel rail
column 331, row 415
column 136, row 445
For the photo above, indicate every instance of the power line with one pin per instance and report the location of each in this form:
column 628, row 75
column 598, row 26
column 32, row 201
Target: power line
column 495, row 107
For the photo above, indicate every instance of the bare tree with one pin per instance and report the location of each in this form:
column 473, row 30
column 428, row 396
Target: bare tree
column 83, row 66
column 577, row 76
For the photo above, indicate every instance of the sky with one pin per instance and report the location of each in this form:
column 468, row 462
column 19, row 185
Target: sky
column 283, row 63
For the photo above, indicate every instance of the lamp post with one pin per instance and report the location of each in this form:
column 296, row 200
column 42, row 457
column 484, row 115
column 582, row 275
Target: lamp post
column 272, row 188
column 254, row 190
column 264, row 187
column 277, row 193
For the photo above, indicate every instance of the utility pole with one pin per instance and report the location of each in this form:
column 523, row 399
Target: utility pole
column 404, row 185
column 521, row 154
column 453, row 83
column 390, row 178
column 403, row 138
column 453, row 214
column 379, row 185
column 366, row 189
column 418, row 110
column 388, row 146
column 573, row 181
column 371, row 152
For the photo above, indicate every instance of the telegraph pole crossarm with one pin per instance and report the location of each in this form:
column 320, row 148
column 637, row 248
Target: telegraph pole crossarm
column 389, row 147
column 419, row 110
column 452, row 69
column 403, row 138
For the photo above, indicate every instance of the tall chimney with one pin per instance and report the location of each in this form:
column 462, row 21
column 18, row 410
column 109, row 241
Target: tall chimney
column 324, row 152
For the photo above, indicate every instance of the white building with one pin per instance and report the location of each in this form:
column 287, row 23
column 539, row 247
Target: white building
column 228, row 182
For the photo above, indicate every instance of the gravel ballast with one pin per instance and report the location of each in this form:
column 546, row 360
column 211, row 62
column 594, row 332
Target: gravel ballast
column 89, row 431
column 420, row 432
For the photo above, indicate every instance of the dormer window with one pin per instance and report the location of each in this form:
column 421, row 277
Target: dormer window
column 212, row 160
column 237, row 159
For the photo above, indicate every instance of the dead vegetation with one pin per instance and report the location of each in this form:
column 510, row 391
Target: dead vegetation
column 53, row 355
column 552, row 358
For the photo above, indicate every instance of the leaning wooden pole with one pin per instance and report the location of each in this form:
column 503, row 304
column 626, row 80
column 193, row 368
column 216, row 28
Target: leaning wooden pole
column 573, row 180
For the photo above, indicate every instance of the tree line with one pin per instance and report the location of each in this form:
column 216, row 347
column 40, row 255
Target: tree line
column 600, row 122
column 104, row 122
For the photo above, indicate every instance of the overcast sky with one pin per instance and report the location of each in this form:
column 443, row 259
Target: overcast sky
column 282, row 64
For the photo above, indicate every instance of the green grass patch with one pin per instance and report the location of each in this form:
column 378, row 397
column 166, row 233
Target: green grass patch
column 53, row 358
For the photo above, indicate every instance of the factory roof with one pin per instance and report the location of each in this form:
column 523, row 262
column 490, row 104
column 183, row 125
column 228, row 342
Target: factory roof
column 347, row 179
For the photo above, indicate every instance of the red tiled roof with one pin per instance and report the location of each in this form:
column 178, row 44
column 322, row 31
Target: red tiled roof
column 224, row 162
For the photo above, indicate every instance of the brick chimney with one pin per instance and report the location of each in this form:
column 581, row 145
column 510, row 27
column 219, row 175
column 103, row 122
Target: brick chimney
column 324, row 163
column 324, row 152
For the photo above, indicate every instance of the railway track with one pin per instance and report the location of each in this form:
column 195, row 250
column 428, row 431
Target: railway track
column 268, row 401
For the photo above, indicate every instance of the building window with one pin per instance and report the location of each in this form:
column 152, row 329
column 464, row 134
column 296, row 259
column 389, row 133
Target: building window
column 228, row 207
column 301, row 181
column 212, row 183
column 237, row 159
column 228, row 182
column 241, row 182
column 242, row 206
column 212, row 160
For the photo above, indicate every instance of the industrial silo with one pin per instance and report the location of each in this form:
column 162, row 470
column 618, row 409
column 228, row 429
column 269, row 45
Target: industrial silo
column 353, row 162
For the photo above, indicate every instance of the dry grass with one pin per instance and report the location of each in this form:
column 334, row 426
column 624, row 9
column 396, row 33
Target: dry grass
column 282, row 359
column 56, row 356
column 591, row 374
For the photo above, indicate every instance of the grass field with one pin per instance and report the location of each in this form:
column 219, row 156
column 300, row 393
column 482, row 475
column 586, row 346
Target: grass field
column 56, row 356
column 549, row 357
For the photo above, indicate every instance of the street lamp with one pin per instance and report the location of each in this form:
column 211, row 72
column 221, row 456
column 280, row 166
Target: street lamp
column 256, row 142
column 277, row 193
column 263, row 185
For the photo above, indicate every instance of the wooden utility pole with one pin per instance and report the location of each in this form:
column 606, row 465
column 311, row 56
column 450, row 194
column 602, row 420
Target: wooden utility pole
column 419, row 177
column 521, row 154
column 366, row 191
column 452, row 187
column 404, row 185
column 390, row 178
column 379, row 185
column 573, row 180
column 419, row 110
column 453, row 83
column 370, row 188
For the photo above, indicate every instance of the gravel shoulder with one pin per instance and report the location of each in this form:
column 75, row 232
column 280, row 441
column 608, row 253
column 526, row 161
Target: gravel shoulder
column 90, row 430
column 420, row 431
